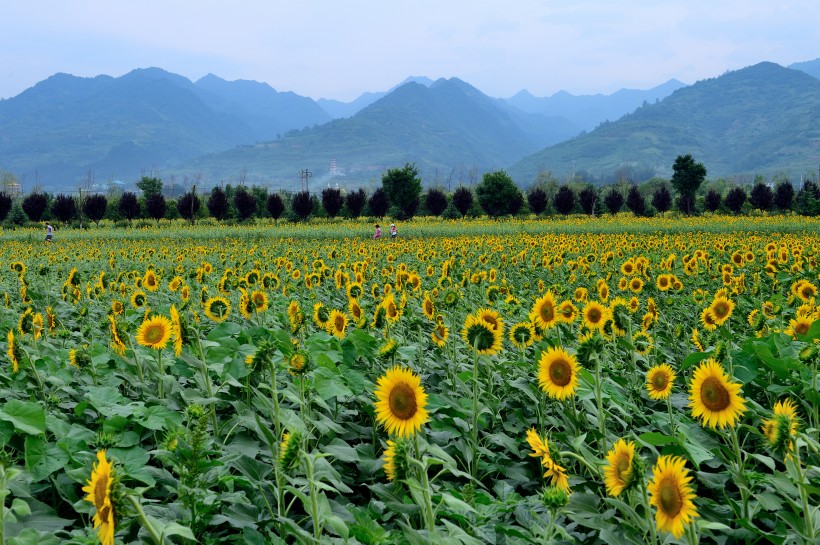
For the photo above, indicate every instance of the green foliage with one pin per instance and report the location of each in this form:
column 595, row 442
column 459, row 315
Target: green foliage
column 498, row 195
column 403, row 189
column 149, row 185
column 687, row 179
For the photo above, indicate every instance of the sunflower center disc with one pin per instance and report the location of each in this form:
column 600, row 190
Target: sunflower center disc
column 99, row 491
column 623, row 466
column 670, row 498
column 547, row 312
column 659, row 381
column 154, row 334
column 560, row 373
column 594, row 316
column 713, row 394
column 402, row 401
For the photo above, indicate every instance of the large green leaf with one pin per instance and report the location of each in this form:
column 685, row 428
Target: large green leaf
column 26, row 416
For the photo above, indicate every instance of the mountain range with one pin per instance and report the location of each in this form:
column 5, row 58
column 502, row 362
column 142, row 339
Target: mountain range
column 758, row 120
column 65, row 127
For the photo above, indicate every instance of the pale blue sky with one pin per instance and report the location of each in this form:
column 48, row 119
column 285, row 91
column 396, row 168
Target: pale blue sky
column 341, row 48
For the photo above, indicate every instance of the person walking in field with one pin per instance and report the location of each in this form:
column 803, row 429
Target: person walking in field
column 393, row 231
column 49, row 232
column 378, row 232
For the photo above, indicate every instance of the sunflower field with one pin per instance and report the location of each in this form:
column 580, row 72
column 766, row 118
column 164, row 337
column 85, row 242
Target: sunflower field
column 615, row 380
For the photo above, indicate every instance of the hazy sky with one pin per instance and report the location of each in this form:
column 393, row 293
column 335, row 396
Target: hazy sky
column 341, row 48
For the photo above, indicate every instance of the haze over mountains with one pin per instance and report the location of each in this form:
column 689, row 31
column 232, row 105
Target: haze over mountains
column 755, row 120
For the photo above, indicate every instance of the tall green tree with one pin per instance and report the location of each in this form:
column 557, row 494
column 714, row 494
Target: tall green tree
column 355, row 201
column 218, row 203
column 94, row 207
column 128, row 206
column 64, row 208
column 403, row 189
column 463, row 200
column 188, row 205
column 34, row 205
column 332, row 201
column 5, row 205
column 498, row 195
column 150, row 185
column 687, row 179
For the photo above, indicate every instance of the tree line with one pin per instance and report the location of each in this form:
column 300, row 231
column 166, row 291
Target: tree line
column 401, row 196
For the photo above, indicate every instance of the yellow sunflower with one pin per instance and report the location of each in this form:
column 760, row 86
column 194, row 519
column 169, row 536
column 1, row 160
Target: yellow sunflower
column 13, row 352
column 714, row 398
column 176, row 331
column 659, row 381
column 440, row 334
column 98, row 487
column 539, row 445
column 138, row 299
column 428, row 308
column 400, row 402
column 259, row 300
column 154, row 332
column 150, row 281
column 481, row 336
column 595, row 315
column 556, row 474
column 707, row 318
column 619, row 472
column 558, row 373
column 337, row 324
column 522, row 335
column 721, row 309
column 544, row 312
column 782, row 427
column 567, row 312
column 491, row 317
column 800, row 326
column 116, row 340
column 217, row 309
column 320, row 315
column 671, row 494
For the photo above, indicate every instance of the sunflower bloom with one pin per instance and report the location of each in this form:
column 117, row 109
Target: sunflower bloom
column 481, row 336
column 721, row 309
column 13, row 352
column 440, row 334
column 544, row 311
column 558, row 373
column 659, row 381
column 671, row 494
column 619, row 473
column 337, row 324
column 154, row 332
column 98, row 488
column 400, row 402
column 217, row 309
column 714, row 398
column 522, row 335
column 782, row 427
column 595, row 315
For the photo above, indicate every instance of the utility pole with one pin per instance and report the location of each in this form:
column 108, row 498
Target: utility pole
column 193, row 196
column 305, row 175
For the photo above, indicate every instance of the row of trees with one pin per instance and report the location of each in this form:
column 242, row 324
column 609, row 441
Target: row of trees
column 401, row 196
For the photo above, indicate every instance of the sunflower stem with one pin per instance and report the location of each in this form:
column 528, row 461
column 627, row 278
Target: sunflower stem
column 427, row 508
column 207, row 379
column 671, row 415
column 651, row 523
column 594, row 471
column 160, row 375
column 601, row 416
column 808, row 513
column 739, row 473
column 37, row 376
column 144, row 521
column 474, row 442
